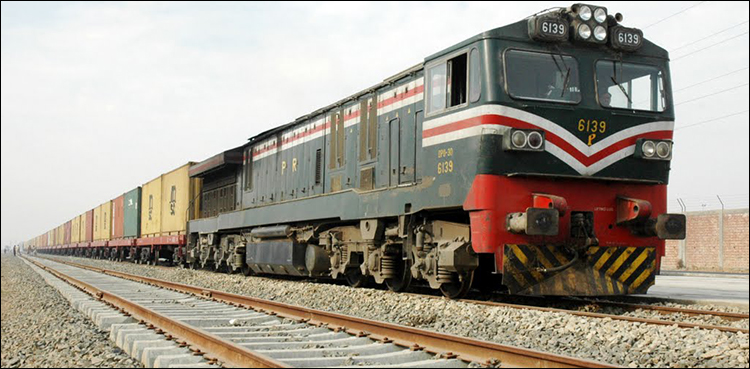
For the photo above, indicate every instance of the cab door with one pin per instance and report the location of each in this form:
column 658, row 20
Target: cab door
column 407, row 148
column 394, row 127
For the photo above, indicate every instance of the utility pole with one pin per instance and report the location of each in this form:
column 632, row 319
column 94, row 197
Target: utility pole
column 721, row 234
column 682, row 253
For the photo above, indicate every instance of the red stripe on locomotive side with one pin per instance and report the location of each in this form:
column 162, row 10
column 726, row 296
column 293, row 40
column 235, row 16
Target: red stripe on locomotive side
column 351, row 116
column 401, row 96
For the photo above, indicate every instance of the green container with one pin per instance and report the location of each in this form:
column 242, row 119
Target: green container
column 132, row 213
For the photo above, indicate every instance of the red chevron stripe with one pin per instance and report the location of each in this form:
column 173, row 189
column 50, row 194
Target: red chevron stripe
column 493, row 119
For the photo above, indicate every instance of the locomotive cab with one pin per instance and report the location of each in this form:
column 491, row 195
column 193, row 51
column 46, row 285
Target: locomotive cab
column 569, row 121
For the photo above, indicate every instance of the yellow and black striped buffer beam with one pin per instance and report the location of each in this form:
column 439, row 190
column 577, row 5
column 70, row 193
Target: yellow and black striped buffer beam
column 529, row 270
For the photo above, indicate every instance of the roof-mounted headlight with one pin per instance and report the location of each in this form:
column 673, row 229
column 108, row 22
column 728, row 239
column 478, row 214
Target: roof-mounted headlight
column 653, row 149
column 584, row 12
column 524, row 140
column 600, row 33
column 600, row 15
column 584, row 31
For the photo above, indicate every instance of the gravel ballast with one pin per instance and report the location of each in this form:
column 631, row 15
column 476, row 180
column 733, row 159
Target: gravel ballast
column 616, row 342
column 41, row 329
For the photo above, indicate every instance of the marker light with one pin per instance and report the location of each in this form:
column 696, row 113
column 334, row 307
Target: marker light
column 519, row 139
column 523, row 140
column 649, row 148
column 653, row 149
column 535, row 140
column 663, row 149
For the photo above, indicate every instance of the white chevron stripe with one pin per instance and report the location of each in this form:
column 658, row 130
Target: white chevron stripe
column 548, row 126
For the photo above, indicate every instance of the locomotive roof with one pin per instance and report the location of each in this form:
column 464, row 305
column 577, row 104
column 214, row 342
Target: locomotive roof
column 513, row 32
column 518, row 32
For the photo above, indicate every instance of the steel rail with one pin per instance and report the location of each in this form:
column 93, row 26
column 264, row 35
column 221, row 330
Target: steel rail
column 666, row 309
column 200, row 341
column 445, row 345
column 600, row 315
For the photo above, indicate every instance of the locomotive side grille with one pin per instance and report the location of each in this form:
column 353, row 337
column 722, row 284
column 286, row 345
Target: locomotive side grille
column 318, row 166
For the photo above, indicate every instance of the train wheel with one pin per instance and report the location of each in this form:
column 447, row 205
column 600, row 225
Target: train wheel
column 354, row 277
column 246, row 270
column 403, row 279
column 458, row 289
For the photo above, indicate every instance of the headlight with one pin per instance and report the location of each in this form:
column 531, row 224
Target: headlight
column 535, row 140
column 600, row 15
column 600, row 33
column 663, row 149
column 653, row 149
column 584, row 12
column 584, row 31
column 523, row 140
column 519, row 139
column 648, row 148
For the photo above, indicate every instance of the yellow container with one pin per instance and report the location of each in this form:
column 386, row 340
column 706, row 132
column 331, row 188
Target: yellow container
column 151, row 208
column 61, row 234
column 165, row 202
column 82, row 227
column 105, row 222
column 75, row 230
column 178, row 190
column 97, row 223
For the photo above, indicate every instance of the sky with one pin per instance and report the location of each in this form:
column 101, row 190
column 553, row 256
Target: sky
column 98, row 98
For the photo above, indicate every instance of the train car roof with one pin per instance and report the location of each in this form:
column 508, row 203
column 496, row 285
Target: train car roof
column 388, row 81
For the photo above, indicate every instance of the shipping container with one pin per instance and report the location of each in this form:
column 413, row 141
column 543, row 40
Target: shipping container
column 68, row 231
column 178, row 192
column 97, row 223
column 75, row 232
column 151, row 208
column 117, row 217
column 132, row 214
column 90, row 225
column 82, row 227
column 103, row 221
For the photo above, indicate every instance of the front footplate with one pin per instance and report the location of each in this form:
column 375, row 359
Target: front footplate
column 599, row 271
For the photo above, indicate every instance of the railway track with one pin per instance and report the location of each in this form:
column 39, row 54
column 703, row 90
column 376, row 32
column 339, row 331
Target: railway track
column 232, row 330
column 583, row 307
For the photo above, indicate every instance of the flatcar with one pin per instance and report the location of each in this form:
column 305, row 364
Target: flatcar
column 533, row 158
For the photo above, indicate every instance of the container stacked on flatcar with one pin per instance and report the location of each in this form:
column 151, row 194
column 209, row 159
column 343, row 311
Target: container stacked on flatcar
column 113, row 230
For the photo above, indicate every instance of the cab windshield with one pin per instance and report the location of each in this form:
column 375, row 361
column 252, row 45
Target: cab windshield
column 542, row 76
column 630, row 86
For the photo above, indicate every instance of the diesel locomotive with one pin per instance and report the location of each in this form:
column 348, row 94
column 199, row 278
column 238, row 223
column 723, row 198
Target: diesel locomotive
column 533, row 158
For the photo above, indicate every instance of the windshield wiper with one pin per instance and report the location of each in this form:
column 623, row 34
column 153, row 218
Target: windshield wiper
column 567, row 73
column 621, row 89
column 565, row 84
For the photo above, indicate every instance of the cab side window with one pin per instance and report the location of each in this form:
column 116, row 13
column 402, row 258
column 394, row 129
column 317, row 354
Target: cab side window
column 447, row 84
